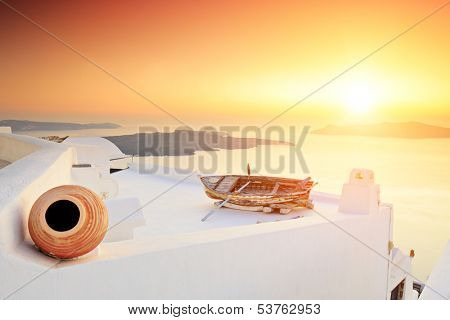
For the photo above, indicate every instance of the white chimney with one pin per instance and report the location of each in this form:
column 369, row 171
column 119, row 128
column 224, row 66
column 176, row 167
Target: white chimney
column 360, row 195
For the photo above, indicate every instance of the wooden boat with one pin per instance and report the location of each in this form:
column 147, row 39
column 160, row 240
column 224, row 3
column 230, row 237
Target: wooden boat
column 259, row 193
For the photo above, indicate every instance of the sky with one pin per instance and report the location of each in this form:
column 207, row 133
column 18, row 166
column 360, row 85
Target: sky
column 228, row 62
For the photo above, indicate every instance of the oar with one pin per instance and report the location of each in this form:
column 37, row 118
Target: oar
column 224, row 202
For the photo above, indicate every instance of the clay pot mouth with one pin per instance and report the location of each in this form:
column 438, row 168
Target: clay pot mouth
column 62, row 215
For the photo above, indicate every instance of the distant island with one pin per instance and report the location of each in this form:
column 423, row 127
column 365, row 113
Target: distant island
column 24, row 125
column 407, row 130
column 184, row 142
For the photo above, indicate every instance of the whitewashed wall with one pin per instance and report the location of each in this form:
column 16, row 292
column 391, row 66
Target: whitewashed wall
column 36, row 167
column 281, row 260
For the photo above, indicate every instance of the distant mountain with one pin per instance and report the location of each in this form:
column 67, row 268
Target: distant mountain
column 183, row 142
column 408, row 130
column 24, row 125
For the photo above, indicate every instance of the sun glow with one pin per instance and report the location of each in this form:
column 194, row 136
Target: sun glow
column 359, row 98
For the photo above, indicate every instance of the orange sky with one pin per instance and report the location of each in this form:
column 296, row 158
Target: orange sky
column 211, row 61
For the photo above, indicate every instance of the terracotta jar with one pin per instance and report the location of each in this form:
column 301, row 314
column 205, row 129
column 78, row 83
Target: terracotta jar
column 68, row 221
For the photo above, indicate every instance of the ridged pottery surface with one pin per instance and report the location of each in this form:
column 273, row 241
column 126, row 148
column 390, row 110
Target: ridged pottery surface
column 55, row 229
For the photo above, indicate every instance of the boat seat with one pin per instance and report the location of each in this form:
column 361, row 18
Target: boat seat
column 227, row 184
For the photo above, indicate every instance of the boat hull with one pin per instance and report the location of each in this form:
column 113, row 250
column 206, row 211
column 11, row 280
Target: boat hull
column 261, row 192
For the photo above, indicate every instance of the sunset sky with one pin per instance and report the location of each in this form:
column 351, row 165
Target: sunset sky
column 225, row 61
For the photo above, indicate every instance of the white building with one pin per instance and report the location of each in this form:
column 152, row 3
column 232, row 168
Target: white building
column 340, row 250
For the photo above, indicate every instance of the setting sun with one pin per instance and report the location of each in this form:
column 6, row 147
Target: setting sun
column 359, row 99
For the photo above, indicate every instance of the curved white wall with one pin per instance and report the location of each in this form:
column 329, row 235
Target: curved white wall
column 36, row 166
column 13, row 147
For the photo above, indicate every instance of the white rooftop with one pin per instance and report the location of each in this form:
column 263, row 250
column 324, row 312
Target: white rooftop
column 181, row 209
column 111, row 150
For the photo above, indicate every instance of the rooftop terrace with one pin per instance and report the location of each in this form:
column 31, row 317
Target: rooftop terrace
column 181, row 208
